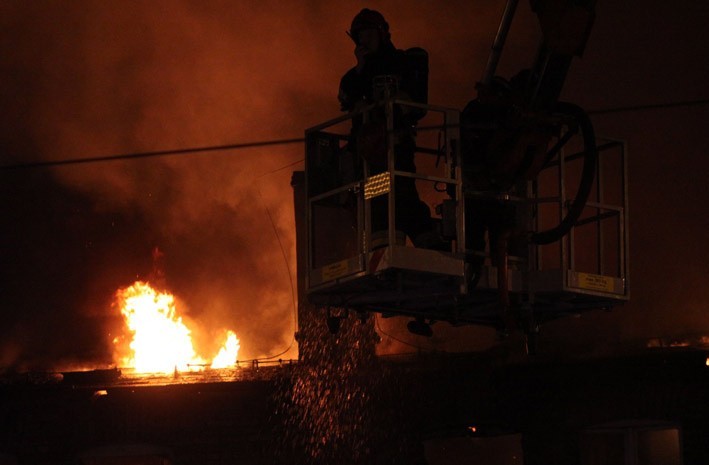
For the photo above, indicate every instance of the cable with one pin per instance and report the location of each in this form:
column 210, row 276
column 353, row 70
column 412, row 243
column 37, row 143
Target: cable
column 281, row 168
column 156, row 153
column 290, row 281
column 601, row 111
column 379, row 328
column 588, row 171
column 651, row 106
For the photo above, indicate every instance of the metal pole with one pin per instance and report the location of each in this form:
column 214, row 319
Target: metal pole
column 391, row 166
column 499, row 43
column 600, row 196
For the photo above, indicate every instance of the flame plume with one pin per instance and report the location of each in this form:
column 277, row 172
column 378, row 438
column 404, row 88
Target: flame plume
column 227, row 354
column 160, row 342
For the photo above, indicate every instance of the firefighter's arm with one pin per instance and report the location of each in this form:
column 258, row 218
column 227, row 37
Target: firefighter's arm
column 351, row 90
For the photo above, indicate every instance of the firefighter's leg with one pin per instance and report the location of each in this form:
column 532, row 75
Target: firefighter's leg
column 475, row 227
column 413, row 216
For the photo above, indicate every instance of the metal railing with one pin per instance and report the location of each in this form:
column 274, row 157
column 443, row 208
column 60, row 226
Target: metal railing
column 341, row 184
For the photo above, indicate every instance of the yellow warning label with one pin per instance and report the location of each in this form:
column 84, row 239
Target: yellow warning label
column 595, row 282
column 335, row 270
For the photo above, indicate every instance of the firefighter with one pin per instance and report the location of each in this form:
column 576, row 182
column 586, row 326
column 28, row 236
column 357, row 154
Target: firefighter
column 406, row 72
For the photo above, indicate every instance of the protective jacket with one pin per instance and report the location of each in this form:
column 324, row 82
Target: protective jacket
column 368, row 140
column 410, row 67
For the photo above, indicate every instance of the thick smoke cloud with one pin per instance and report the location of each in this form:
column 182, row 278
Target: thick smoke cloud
column 91, row 78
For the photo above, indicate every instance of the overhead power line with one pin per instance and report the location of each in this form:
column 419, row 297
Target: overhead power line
column 248, row 145
column 156, row 153
column 651, row 106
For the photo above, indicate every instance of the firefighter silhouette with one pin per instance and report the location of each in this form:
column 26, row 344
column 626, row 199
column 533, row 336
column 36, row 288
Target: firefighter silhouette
column 379, row 64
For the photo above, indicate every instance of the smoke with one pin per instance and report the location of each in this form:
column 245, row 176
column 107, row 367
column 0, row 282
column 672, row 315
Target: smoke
column 92, row 78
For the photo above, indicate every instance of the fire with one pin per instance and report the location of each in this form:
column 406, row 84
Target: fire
column 160, row 342
column 227, row 354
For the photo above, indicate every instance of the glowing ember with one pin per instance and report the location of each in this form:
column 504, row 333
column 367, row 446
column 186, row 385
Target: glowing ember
column 160, row 340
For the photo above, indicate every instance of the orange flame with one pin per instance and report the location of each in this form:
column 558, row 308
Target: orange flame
column 227, row 354
column 160, row 340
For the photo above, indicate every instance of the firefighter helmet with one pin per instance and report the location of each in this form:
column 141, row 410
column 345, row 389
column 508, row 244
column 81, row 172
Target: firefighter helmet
column 369, row 19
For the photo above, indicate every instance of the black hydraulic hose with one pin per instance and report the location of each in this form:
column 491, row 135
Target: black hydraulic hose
column 560, row 144
column 587, row 176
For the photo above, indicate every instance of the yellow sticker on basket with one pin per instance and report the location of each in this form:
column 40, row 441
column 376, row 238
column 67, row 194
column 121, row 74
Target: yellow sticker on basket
column 335, row 270
column 595, row 282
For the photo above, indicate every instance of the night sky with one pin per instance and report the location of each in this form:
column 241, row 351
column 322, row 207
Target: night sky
column 92, row 78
